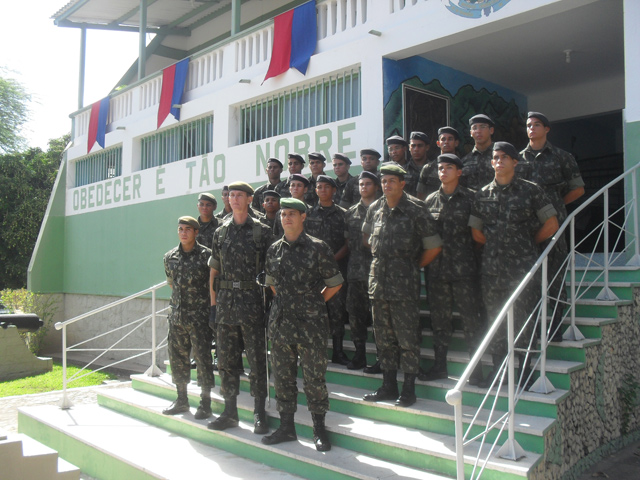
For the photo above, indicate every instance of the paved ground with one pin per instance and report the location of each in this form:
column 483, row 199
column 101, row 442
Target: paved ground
column 623, row 465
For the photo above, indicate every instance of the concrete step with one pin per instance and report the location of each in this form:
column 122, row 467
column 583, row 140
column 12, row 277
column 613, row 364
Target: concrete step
column 360, row 437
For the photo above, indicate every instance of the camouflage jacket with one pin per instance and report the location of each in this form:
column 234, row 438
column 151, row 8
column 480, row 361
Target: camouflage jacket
column 476, row 168
column 188, row 276
column 450, row 215
column 351, row 194
column 258, row 195
column 311, row 197
column 205, row 234
column 398, row 237
column 360, row 257
column 337, row 197
column 509, row 216
column 412, row 177
column 555, row 170
column 429, row 181
column 327, row 224
column 299, row 271
column 238, row 255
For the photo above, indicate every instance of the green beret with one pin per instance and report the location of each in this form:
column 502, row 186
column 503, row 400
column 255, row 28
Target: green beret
column 392, row 168
column 343, row 157
column 293, row 203
column 187, row 220
column 241, row 186
column 326, row 179
column 208, row 197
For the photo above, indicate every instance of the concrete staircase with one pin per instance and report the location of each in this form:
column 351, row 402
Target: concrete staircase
column 23, row 458
column 127, row 436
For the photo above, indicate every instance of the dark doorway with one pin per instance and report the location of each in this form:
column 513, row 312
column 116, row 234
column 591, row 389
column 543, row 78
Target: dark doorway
column 426, row 112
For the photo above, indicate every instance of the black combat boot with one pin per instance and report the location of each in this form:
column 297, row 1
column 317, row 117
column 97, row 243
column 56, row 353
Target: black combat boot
column 388, row 390
column 497, row 361
column 286, row 432
column 439, row 368
column 408, row 395
column 373, row 369
column 320, row 436
column 260, row 425
column 476, row 376
column 359, row 360
column 204, row 409
column 228, row 418
column 338, row 356
column 181, row 405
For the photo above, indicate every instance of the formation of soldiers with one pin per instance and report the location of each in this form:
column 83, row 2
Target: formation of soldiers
column 295, row 260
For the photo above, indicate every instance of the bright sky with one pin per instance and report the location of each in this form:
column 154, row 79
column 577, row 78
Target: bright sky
column 44, row 58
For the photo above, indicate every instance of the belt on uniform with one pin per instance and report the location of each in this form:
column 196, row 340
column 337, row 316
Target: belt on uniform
column 240, row 285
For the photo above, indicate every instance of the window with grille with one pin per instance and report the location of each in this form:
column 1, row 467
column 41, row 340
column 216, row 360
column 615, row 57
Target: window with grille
column 327, row 100
column 182, row 141
column 99, row 166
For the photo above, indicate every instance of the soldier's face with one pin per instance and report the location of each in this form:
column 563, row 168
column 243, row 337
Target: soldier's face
column 205, row 209
column 292, row 219
column 273, row 171
column 418, row 149
column 369, row 163
column 392, row 186
column 325, row 192
column 316, row 166
column 340, row 168
column 448, row 173
column 447, row 143
column 239, row 201
column 297, row 189
column 271, row 204
column 397, row 153
column 502, row 163
column 368, row 188
column 535, row 129
column 481, row 133
column 295, row 166
column 187, row 235
column 225, row 198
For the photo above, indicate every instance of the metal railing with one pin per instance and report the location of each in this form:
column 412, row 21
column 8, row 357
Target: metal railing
column 620, row 249
column 152, row 371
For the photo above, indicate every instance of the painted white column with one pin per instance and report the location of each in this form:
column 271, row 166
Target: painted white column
column 632, row 60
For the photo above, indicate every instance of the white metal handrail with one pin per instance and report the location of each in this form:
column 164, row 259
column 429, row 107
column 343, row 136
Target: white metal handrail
column 152, row 371
column 625, row 247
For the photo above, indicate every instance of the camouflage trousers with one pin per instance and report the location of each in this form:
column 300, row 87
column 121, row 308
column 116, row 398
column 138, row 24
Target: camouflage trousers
column 359, row 309
column 313, row 360
column 495, row 295
column 229, row 349
column 465, row 294
column 396, row 326
column 183, row 339
column 557, row 292
column 337, row 310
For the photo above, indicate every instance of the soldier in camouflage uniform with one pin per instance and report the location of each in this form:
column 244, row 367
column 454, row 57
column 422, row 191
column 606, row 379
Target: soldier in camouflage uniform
column 358, row 304
column 397, row 149
column 510, row 217
column 400, row 234
column 237, row 257
column 448, row 141
column 419, row 150
column 326, row 222
column 477, row 170
column 274, row 170
column 187, row 274
column 207, row 204
column 317, row 162
column 296, row 164
column 557, row 172
column 453, row 274
column 303, row 275
column 341, row 164
column 225, row 200
column 271, row 207
column 369, row 159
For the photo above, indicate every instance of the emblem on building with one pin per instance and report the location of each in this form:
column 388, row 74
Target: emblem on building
column 475, row 8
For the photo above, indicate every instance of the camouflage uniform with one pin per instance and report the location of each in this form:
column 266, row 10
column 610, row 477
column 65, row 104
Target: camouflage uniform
column 411, row 178
column 238, row 256
column 509, row 216
column 453, row 275
column 221, row 214
column 284, row 188
column 258, row 195
column 477, row 170
column 328, row 224
column 398, row 237
column 188, row 275
column 337, row 197
column 429, row 181
column 359, row 265
column 311, row 197
column 205, row 234
column 351, row 194
column 557, row 172
column 298, row 323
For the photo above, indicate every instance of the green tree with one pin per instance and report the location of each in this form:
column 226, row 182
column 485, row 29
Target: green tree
column 26, row 181
column 14, row 112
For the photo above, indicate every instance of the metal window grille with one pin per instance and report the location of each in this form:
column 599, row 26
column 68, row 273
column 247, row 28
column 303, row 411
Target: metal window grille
column 99, row 166
column 183, row 141
column 327, row 100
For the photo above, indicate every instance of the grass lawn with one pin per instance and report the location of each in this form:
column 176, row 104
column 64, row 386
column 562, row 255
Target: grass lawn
column 52, row 380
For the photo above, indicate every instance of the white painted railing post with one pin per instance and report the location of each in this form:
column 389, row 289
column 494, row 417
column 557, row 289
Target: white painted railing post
column 153, row 370
column 606, row 293
column 573, row 333
column 635, row 260
column 454, row 397
column 542, row 384
column 511, row 450
column 65, row 403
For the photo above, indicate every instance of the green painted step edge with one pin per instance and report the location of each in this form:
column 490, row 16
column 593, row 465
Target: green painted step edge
column 614, row 275
column 224, row 442
column 88, row 459
column 602, row 311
